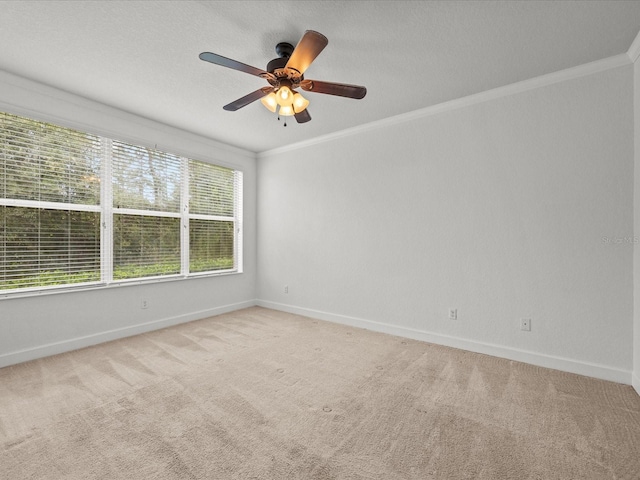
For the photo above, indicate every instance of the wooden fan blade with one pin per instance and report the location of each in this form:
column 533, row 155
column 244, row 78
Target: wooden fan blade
column 247, row 99
column 308, row 48
column 234, row 64
column 303, row 116
column 330, row 88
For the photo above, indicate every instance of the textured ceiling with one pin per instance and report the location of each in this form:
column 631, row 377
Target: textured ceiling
column 142, row 56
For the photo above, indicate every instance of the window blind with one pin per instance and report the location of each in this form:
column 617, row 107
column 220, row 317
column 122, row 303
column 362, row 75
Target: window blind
column 211, row 245
column 213, row 197
column 49, row 205
column 145, row 246
column 145, row 179
column 46, row 163
column 211, row 189
column 76, row 208
column 146, row 188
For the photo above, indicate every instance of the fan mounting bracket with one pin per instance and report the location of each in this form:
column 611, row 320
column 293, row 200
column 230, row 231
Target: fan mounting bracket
column 284, row 49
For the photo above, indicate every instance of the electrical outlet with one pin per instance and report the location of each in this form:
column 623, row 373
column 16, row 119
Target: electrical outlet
column 144, row 303
column 525, row 324
column 286, row 289
column 453, row 314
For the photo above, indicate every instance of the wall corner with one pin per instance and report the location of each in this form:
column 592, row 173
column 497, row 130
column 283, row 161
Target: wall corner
column 634, row 55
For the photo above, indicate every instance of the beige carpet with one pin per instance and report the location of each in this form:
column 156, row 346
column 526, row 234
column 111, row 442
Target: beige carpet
column 260, row 394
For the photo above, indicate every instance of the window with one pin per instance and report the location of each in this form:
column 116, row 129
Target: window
column 79, row 209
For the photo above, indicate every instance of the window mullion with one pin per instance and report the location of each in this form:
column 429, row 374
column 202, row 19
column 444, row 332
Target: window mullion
column 106, row 221
column 184, row 209
column 237, row 224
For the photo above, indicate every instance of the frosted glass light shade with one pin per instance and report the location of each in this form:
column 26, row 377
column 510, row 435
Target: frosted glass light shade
column 270, row 102
column 286, row 111
column 299, row 103
column 284, row 96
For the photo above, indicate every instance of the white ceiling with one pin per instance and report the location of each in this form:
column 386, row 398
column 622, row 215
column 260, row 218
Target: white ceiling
column 142, row 56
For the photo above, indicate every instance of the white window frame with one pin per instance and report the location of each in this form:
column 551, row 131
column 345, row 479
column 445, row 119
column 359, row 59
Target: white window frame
column 107, row 211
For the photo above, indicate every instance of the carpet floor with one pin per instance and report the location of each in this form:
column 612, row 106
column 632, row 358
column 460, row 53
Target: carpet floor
column 261, row 394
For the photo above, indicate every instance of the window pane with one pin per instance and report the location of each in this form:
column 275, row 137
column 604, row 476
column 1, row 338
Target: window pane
column 145, row 179
column 145, row 246
column 41, row 247
column 44, row 162
column 211, row 189
column 210, row 245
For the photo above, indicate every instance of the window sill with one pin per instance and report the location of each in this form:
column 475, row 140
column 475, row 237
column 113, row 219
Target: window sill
column 8, row 294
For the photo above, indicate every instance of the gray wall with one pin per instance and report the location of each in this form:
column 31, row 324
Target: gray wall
column 507, row 207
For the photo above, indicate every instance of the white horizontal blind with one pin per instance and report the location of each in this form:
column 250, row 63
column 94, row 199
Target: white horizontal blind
column 49, row 205
column 213, row 194
column 145, row 179
column 146, row 212
column 80, row 209
column 47, row 163
column 145, row 246
column 211, row 189
column 211, row 245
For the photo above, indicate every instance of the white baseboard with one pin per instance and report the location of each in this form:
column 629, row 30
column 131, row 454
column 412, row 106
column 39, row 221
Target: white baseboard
column 542, row 360
column 47, row 350
column 635, row 381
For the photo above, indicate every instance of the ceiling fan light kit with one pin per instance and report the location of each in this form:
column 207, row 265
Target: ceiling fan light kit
column 284, row 75
column 299, row 103
column 270, row 102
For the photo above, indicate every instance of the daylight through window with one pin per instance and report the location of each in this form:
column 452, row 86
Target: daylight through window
column 78, row 209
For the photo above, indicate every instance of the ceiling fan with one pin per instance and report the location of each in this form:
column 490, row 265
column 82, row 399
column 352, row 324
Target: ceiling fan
column 284, row 75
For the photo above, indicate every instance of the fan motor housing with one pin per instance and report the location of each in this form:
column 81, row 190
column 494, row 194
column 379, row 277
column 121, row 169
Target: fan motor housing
column 277, row 66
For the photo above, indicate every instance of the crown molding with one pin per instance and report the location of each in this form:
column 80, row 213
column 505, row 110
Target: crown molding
column 634, row 49
column 488, row 95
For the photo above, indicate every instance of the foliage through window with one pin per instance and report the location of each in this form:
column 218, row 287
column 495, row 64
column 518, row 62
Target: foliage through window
column 79, row 209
